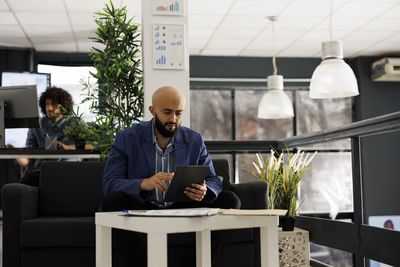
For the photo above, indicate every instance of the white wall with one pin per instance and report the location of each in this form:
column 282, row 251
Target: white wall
column 155, row 78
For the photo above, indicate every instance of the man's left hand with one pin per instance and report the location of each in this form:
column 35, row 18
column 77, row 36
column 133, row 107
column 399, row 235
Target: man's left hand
column 197, row 191
column 64, row 146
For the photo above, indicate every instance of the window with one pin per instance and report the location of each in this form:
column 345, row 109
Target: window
column 69, row 78
column 317, row 114
column 230, row 113
column 212, row 113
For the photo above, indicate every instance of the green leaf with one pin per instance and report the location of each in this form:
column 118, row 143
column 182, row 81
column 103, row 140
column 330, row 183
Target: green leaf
column 118, row 98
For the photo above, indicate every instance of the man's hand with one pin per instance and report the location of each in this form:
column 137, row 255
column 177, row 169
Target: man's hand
column 156, row 181
column 23, row 162
column 64, row 146
column 197, row 191
column 89, row 147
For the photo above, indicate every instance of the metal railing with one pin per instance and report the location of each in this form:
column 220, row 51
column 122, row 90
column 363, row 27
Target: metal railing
column 363, row 241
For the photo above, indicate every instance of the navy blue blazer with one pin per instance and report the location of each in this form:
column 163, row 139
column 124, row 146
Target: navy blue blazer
column 132, row 159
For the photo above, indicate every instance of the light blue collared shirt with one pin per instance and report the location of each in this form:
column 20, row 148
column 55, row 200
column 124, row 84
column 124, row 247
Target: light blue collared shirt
column 165, row 162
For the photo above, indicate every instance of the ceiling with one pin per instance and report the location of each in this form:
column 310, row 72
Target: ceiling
column 218, row 27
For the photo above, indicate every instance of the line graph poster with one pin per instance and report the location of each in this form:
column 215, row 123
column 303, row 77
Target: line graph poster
column 168, row 46
column 167, row 7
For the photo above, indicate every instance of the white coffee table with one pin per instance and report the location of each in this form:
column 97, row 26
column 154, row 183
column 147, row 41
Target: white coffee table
column 157, row 229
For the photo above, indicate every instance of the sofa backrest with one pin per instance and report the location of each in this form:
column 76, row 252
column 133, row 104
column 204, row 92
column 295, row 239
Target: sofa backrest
column 70, row 188
column 221, row 167
column 75, row 188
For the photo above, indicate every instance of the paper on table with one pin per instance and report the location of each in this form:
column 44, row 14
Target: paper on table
column 263, row 212
column 173, row 212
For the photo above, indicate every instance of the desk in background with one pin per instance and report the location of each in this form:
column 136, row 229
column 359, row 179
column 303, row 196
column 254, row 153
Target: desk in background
column 13, row 153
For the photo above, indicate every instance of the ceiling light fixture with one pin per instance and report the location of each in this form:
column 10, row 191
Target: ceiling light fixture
column 275, row 104
column 333, row 78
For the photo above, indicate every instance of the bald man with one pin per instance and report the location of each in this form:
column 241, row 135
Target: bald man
column 143, row 159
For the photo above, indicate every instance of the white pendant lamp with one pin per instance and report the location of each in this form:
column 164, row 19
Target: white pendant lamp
column 275, row 104
column 333, row 78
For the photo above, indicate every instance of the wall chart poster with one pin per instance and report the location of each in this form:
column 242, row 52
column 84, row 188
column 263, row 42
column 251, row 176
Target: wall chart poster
column 168, row 7
column 168, row 46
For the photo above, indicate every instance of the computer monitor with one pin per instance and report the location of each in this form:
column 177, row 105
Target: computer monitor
column 18, row 108
column 17, row 136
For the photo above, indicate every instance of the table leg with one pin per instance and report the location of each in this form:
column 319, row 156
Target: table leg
column 103, row 246
column 203, row 248
column 157, row 247
column 269, row 246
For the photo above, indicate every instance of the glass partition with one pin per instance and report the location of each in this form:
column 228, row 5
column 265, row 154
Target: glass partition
column 330, row 256
column 317, row 114
column 211, row 113
column 327, row 185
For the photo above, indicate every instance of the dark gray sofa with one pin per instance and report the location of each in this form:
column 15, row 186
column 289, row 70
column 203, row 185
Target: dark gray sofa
column 53, row 225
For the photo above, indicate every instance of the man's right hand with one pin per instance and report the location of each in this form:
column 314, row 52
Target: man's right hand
column 23, row 162
column 156, row 181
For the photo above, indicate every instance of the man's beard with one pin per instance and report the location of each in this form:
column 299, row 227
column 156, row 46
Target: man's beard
column 54, row 116
column 162, row 128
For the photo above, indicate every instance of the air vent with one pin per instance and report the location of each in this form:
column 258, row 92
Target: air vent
column 386, row 70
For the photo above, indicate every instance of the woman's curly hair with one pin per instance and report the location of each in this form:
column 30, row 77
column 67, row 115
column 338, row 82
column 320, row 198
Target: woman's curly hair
column 57, row 96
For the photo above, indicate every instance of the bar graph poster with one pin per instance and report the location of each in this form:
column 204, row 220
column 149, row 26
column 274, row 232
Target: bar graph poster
column 168, row 7
column 168, row 46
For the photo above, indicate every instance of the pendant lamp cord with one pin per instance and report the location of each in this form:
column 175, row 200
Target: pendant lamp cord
column 330, row 19
column 274, row 68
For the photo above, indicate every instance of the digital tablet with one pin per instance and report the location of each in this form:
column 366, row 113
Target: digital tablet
column 185, row 176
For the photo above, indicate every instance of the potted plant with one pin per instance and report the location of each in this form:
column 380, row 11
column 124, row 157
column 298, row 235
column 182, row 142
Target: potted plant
column 78, row 130
column 117, row 99
column 283, row 173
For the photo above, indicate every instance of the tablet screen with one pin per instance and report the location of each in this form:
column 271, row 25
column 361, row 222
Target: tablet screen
column 185, row 176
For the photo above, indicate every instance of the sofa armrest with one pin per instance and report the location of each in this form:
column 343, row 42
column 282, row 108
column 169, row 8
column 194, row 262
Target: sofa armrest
column 20, row 202
column 253, row 195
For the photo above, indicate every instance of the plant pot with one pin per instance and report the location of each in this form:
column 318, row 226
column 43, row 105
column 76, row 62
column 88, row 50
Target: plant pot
column 287, row 223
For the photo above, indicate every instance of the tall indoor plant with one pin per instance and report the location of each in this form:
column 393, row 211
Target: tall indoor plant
column 117, row 99
column 283, row 173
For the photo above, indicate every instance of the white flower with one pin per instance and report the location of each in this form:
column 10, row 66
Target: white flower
column 278, row 162
column 271, row 161
column 260, row 162
column 299, row 162
column 309, row 161
column 292, row 161
column 257, row 168
column 305, row 160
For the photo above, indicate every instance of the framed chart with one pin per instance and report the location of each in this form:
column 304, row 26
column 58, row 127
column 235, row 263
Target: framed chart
column 168, row 7
column 168, row 46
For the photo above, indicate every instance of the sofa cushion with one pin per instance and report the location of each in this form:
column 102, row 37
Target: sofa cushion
column 232, row 236
column 221, row 167
column 60, row 257
column 80, row 232
column 182, row 247
column 70, row 188
column 58, row 232
column 235, row 255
